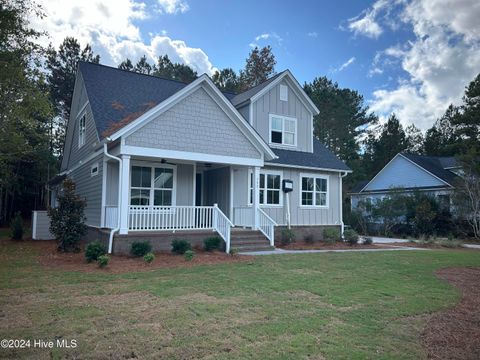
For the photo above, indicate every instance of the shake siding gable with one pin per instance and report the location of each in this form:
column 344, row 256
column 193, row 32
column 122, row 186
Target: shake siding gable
column 195, row 124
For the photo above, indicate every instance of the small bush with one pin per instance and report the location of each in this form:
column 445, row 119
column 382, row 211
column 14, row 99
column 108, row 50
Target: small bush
column 288, row 236
column 367, row 241
column 103, row 260
column 351, row 236
column 189, row 255
column 234, row 251
column 309, row 239
column 449, row 243
column 17, row 228
column 180, row 246
column 140, row 248
column 212, row 243
column 148, row 258
column 331, row 235
column 94, row 250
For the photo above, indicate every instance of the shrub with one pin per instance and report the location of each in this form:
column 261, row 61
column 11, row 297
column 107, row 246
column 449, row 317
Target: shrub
column 67, row 220
column 180, row 246
column 103, row 260
column 140, row 248
column 148, row 258
column 309, row 239
column 94, row 250
column 331, row 235
column 189, row 255
column 351, row 236
column 17, row 228
column 449, row 243
column 234, row 251
column 288, row 236
column 367, row 241
column 212, row 243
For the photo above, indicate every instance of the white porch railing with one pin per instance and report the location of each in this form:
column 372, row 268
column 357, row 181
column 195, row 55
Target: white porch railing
column 111, row 216
column 266, row 225
column 222, row 225
column 243, row 216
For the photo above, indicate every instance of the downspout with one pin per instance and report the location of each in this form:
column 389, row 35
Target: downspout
column 113, row 231
column 341, row 176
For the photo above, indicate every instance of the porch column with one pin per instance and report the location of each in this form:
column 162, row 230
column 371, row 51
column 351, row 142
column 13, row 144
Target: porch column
column 124, row 188
column 256, row 196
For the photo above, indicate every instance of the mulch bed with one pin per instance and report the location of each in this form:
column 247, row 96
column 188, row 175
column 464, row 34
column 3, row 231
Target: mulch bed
column 455, row 333
column 322, row 245
column 51, row 258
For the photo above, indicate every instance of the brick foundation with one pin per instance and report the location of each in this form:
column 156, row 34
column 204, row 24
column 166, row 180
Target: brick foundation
column 302, row 231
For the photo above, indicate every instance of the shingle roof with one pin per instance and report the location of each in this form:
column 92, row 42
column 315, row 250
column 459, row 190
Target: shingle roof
column 320, row 158
column 434, row 165
column 244, row 96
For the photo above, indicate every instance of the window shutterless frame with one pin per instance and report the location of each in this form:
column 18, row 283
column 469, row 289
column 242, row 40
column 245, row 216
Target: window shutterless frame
column 82, row 129
column 314, row 191
column 269, row 188
column 281, row 128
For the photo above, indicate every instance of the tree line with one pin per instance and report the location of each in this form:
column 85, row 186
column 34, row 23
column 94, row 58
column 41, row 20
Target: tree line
column 36, row 88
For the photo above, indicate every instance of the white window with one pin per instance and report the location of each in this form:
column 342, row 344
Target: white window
column 314, row 190
column 81, row 131
column 152, row 186
column 94, row 169
column 270, row 188
column 283, row 130
column 283, row 93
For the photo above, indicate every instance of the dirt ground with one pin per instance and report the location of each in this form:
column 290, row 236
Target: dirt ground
column 455, row 333
column 49, row 257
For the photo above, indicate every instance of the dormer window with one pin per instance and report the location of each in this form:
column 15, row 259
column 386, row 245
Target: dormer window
column 283, row 130
column 81, row 131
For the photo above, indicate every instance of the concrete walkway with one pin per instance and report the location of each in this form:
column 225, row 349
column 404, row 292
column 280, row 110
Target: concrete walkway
column 282, row 251
column 471, row 246
column 384, row 240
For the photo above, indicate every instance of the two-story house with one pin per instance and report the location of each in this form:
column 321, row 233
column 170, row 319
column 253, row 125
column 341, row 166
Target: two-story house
column 160, row 159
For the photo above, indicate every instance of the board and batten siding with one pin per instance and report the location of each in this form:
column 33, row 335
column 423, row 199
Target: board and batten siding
column 400, row 172
column 217, row 188
column 195, row 124
column 73, row 153
column 90, row 188
column 270, row 103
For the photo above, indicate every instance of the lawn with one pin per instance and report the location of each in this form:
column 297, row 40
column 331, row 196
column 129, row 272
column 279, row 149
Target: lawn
column 336, row 305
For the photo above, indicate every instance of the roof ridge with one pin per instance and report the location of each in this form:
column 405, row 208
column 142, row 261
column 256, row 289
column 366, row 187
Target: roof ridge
column 263, row 82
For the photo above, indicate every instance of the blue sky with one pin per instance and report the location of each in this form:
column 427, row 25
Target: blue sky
column 411, row 57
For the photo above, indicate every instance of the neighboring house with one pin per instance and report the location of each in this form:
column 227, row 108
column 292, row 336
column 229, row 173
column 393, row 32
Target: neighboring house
column 408, row 173
column 153, row 156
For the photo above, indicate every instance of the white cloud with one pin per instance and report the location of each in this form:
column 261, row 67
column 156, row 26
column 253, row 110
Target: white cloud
column 312, row 34
column 345, row 64
column 264, row 37
column 110, row 26
column 173, row 6
column 438, row 63
column 365, row 26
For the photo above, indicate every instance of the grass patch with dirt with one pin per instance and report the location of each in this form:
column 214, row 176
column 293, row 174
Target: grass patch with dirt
column 331, row 305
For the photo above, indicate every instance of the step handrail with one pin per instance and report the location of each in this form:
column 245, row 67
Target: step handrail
column 222, row 225
column 267, row 226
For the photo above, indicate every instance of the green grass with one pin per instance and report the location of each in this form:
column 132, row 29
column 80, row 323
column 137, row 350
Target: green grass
column 334, row 306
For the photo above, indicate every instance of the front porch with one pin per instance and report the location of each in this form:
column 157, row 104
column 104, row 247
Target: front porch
column 170, row 196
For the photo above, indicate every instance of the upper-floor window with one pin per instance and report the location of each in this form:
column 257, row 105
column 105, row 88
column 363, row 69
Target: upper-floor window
column 94, row 169
column 283, row 130
column 314, row 190
column 81, row 131
column 269, row 189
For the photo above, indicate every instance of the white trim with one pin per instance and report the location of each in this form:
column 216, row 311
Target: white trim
column 250, row 114
column 399, row 154
column 231, row 193
column 104, row 191
column 237, row 118
column 313, row 206
column 93, row 166
column 283, row 92
column 304, row 98
column 194, row 194
column 34, row 226
column 307, row 167
column 191, row 156
column 265, row 172
column 153, row 165
column 282, row 145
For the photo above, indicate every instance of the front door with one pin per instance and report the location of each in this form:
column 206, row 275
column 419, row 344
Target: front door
column 198, row 190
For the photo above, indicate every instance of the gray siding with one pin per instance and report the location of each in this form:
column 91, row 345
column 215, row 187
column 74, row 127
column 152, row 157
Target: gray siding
column 90, row 188
column 402, row 173
column 112, row 183
column 217, row 188
column 73, row 153
column 195, row 124
column 42, row 226
column 185, row 182
column 245, row 112
column 270, row 103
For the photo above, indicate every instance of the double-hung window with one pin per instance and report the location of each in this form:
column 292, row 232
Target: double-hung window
column 283, row 130
column 314, row 190
column 270, row 188
column 152, row 186
column 82, row 131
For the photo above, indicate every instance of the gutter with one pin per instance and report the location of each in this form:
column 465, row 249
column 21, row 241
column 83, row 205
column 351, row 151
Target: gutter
column 341, row 176
column 117, row 228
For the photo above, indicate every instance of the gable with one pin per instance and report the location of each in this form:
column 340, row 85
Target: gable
column 195, row 124
column 400, row 172
column 270, row 103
